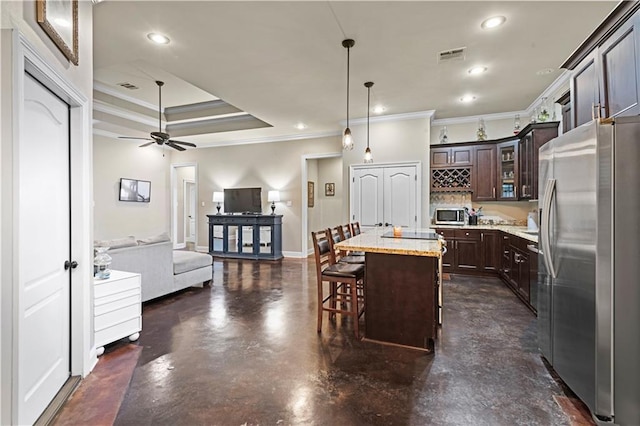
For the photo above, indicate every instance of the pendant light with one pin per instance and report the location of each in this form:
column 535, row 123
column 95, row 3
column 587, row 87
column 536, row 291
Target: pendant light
column 347, row 139
column 368, row 158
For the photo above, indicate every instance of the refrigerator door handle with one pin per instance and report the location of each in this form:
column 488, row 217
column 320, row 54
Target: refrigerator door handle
column 544, row 231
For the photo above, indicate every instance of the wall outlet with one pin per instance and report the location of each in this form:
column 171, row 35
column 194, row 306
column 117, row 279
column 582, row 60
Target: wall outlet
column 203, row 204
column 289, row 203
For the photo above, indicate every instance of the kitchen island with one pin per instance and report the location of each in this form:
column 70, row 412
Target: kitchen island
column 401, row 286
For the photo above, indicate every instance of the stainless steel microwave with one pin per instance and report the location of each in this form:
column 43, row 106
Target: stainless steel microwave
column 449, row 216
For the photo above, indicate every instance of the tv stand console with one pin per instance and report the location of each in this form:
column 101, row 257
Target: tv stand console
column 245, row 236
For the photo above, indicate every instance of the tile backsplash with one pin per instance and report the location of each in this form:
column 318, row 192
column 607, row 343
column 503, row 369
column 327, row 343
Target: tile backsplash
column 507, row 213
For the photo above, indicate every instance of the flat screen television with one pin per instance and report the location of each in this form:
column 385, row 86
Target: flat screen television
column 243, row 200
column 135, row 190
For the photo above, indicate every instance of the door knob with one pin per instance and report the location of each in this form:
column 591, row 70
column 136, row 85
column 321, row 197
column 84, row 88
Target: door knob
column 72, row 265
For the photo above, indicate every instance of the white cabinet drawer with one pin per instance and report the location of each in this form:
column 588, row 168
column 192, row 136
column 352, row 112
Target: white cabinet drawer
column 108, row 287
column 118, row 304
column 118, row 331
column 117, row 316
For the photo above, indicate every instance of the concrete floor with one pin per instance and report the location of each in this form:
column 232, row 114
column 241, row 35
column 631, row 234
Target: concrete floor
column 245, row 352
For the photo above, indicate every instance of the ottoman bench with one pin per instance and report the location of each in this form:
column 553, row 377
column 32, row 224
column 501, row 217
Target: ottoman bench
column 191, row 268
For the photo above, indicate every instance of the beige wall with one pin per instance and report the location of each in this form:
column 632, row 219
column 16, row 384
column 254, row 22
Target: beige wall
column 330, row 207
column 313, row 213
column 391, row 141
column 114, row 159
column 276, row 165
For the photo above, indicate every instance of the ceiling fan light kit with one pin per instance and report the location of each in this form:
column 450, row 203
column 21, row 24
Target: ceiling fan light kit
column 160, row 137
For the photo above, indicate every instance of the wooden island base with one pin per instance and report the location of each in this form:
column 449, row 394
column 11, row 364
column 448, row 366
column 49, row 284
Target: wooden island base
column 401, row 299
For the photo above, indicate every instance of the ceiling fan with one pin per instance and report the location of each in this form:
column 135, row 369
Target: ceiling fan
column 160, row 137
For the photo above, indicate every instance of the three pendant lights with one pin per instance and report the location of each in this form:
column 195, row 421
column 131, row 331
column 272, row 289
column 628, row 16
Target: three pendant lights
column 347, row 139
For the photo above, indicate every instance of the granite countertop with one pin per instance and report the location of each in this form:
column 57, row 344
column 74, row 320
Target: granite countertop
column 373, row 242
column 518, row 231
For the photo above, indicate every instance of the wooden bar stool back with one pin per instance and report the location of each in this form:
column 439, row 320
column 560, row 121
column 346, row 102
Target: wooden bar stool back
column 343, row 280
column 343, row 256
column 355, row 228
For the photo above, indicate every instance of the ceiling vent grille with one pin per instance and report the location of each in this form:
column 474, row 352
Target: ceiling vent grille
column 128, row 86
column 452, row 55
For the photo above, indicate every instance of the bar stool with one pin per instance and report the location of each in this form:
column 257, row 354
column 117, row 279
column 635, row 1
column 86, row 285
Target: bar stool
column 343, row 279
column 346, row 233
column 337, row 235
column 355, row 228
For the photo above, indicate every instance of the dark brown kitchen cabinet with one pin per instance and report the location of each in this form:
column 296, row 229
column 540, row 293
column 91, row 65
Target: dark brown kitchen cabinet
column 505, row 256
column 473, row 251
column 605, row 69
column 532, row 137
column 618, row 58
column 451, row 156
column 467, row 253
column 508, row 178
column 483, row 175
column 490, row 250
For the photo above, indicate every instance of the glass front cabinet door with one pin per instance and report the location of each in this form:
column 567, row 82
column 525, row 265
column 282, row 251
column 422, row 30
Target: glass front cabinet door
column 508, row 171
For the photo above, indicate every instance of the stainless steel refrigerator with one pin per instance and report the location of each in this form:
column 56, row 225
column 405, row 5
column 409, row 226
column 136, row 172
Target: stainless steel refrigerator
column 589, row 268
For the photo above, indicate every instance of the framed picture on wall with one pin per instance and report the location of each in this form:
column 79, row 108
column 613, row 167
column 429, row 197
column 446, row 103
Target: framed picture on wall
column 59, row 19
column 329, row 189
column 310, row 197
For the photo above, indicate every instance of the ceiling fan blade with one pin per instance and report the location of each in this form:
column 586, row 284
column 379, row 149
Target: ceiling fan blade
column 183, row 143
column 172, row 145
column 132, row 137
column 147, row 144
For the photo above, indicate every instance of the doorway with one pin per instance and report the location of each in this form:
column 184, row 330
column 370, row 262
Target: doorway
column 47, row 273
column 321, row 169
column 184, row 206
column 189, row 216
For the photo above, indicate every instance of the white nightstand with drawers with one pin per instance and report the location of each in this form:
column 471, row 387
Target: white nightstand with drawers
column 117, row 308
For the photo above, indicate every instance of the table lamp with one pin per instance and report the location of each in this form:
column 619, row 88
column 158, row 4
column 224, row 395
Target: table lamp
column 218, row 197
column 273, row 196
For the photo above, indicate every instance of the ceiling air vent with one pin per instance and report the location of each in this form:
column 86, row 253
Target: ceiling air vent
column 451, row 55
column 128, row 86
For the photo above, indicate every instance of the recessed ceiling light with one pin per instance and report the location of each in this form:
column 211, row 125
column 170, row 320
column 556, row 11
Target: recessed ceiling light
column 379, row 109
column 477, row 70
column 545, row 71
column 158, row 38
column 301, row 126
column 494, row 21
column 467, row 98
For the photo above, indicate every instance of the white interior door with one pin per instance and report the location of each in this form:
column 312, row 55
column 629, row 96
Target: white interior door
column 43, row 361
column 400, row 196
column 190, row 211
column 367, row 192
column 385, row 195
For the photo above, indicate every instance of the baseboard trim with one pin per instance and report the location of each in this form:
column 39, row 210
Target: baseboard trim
column 202, row 249
column 293, row 254
column 179, row 246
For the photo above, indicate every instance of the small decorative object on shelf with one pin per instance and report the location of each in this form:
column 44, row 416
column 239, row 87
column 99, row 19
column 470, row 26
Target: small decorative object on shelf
column 481, row 133
column 534, row 115
column 516, row 124
column 101, row 263
column 444, row 138
column 543, row 112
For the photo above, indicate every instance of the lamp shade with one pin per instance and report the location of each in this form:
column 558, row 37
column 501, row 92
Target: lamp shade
column 218, row 197
column 273, row 196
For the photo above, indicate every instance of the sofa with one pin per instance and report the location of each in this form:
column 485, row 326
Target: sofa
column 163, row 270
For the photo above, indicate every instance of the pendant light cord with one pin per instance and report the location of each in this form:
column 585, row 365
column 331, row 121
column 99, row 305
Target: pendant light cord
column 348, row 68
column 368, row 107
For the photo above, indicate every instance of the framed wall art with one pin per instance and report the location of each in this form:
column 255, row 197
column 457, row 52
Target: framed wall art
column 310, row 197
column 329, row 189
column 59, row 19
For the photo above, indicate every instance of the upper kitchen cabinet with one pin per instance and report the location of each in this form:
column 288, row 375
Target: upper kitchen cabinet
column 532, row 137
column 483, row 176
column 508, row 178
column 606, row 68
column 451, row 156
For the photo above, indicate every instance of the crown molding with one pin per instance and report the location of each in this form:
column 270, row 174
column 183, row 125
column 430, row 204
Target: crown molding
column 284, row 138
column 553, row 87
column 475, row 118
column 393, row 117
column 126, row 114
column 100, row 87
